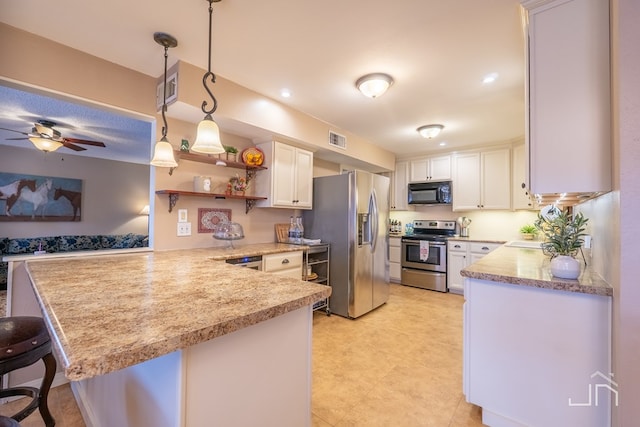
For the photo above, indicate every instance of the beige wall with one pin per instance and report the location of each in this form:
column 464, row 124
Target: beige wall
column 113, row 193
column 626, row 349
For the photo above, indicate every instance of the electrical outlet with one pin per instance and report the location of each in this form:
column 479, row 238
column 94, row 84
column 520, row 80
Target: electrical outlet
column 184, row 229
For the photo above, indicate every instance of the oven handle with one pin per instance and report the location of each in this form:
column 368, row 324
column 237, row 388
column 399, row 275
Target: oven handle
column 417, row 242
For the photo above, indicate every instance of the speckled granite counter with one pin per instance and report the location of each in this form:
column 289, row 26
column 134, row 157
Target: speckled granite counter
column 111, row 312
column 530, row 267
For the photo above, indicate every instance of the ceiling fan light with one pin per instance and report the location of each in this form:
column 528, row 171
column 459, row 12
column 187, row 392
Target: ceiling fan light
column 430, row 131
column 163, row 155
column 45, row 144
column 374, row 85
column 208, row 137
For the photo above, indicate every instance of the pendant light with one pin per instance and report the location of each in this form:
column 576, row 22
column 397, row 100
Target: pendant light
column 208, row 136
column 163, row 152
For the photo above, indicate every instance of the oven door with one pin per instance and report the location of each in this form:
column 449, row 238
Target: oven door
column 435, row 261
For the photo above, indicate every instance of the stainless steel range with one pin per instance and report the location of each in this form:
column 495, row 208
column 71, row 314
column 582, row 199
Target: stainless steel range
column 424, row 254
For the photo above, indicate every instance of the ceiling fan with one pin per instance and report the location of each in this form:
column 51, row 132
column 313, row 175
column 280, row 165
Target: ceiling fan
column 48, row 139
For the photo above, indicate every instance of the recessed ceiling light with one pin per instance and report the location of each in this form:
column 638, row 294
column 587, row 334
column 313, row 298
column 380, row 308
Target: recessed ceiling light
column 285, row 93
column 490, row 78
column 442, row 144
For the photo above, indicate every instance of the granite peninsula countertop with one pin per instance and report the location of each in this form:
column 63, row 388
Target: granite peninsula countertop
column 113, row 311
column 530, row 267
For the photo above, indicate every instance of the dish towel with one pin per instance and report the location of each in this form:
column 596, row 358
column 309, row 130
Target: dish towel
column 424, row 250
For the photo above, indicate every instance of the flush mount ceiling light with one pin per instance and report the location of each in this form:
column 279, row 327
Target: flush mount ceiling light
column 374, row 85
column 430, row 131
column 208, row 136
column 163, row 152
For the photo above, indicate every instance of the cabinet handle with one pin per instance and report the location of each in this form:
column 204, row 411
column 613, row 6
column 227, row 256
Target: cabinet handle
column 484, row 248
column 523, row 186
column 285, row 261
column 457, row 246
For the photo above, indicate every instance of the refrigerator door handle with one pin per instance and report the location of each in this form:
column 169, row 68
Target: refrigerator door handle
column 373, row 219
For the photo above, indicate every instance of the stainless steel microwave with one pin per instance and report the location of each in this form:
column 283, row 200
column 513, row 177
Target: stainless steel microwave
column 430, row 193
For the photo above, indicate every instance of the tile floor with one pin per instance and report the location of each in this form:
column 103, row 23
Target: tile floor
column 400, row 365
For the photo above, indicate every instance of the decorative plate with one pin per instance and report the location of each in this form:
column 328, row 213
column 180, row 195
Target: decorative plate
column 253, row 156
column 208, row 219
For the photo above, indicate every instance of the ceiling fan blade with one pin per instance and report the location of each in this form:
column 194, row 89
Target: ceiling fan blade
column 16, row 131
column 72, row 146
column 16, row 139
column 84, row 141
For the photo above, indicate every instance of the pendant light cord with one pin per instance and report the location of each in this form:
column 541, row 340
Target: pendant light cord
column 209, row 74
column 165, row 128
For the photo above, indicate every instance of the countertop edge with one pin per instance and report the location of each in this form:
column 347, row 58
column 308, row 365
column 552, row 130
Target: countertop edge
column 492, row 268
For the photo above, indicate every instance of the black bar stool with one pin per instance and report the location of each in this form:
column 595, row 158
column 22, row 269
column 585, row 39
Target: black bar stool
column 24, row 341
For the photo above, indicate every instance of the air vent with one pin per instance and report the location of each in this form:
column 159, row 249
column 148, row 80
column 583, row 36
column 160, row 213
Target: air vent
column 337, row 140
column 172, row 91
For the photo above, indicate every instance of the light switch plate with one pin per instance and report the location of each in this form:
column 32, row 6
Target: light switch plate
column 182, row 215
column 184, row 229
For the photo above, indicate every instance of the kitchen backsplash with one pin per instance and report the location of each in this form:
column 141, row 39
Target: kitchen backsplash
column 485, row 225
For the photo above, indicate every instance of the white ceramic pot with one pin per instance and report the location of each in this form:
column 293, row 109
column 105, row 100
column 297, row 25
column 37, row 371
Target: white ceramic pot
column 565, row 267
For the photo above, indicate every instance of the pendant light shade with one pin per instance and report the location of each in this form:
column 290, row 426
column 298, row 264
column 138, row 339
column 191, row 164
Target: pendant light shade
column 45, row 144
column 163, row 155
column 208, row 137
column 163, row 151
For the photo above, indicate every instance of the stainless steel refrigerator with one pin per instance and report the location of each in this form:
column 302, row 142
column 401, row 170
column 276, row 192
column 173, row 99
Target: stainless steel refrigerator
column 351, row 212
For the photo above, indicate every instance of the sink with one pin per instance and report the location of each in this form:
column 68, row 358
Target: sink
column 524, row 244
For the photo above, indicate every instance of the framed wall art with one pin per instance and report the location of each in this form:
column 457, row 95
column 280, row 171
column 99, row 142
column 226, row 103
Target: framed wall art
column 39, row 198
column 208, row 219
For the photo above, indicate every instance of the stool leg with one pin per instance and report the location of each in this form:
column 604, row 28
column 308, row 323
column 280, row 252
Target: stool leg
column 50, row 372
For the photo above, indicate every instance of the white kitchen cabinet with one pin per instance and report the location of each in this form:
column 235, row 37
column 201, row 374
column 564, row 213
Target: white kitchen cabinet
column 456, row 260
column 285, row 263
column 436, row 168
column 537, row 357
column 482, row 180
column 288, row 181
column 394, row 259
column 462, row 254
column 520, row 198
column 568, row 100
column 399, row 180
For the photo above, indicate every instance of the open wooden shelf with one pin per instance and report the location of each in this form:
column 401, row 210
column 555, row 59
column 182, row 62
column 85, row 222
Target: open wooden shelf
column 174, row 195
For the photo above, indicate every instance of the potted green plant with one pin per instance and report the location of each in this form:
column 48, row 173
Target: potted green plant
column 232, row 153
column 564, row 236
column 528, row 231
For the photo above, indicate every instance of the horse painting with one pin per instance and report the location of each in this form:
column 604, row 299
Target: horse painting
column 11, row 192
column 74, row 197
column 38, row 198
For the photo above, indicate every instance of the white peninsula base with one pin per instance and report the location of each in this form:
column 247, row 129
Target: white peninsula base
column 259, row 375
column 537, row 357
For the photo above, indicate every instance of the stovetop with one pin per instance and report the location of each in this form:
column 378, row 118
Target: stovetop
column 436, row 230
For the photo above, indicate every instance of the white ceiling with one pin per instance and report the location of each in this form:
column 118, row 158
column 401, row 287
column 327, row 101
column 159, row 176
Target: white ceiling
column 437, row 51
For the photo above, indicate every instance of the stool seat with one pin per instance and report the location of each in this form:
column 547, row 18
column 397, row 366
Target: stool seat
column 23, row 341
column 8, row 422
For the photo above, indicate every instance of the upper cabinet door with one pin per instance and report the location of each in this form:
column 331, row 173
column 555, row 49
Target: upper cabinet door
column 399, row 198
column 288, row 181
column 436, row 168
column 568, row 99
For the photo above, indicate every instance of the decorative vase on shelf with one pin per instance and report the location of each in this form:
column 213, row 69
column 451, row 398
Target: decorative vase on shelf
column 565, row 267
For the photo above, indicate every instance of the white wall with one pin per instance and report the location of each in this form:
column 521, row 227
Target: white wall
column 113, row 193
